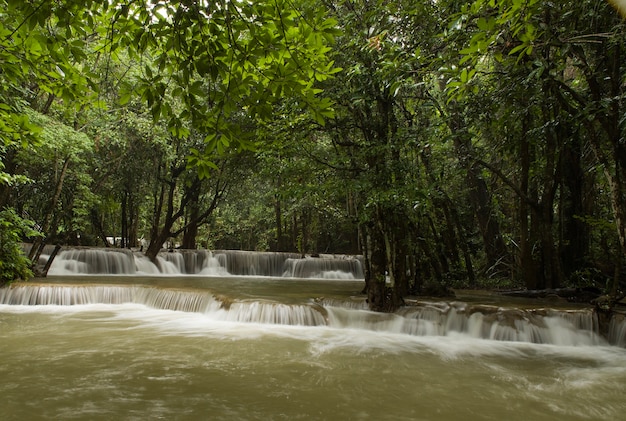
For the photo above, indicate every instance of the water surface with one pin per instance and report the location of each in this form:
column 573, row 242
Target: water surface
column 130, row 361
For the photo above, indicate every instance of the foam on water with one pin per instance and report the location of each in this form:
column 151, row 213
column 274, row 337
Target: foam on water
column 112, row 261
column 324, row 339
column 454, row 320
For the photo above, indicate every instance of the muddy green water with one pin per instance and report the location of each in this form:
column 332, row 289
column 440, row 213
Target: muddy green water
column 131, row 362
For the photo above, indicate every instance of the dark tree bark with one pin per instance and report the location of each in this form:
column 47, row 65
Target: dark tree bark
column 375, row 281
column 163, row 228
column 191, row 229
column 498, row 256
column 124, row 221
column 574, row 232
column 96, row 223
column 47, row 220
column 527, row 264
column 278, row 223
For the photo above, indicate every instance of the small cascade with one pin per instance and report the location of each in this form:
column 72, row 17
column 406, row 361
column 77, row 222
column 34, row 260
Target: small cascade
column 274, row 313
column 354, row 303
column 171, row 263
column 617, row 330
column 87, row 261
column 324, row 267
column 112, row 261
column 43, row 295
column 247, row 263
column 290, row 265
column 539, row 326
column 548, row 326
column 165, row 299
column 94, row 261
column 31, row 295
column 191, row 262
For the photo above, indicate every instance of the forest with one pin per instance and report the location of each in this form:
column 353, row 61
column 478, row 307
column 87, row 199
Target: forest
column 450, row 144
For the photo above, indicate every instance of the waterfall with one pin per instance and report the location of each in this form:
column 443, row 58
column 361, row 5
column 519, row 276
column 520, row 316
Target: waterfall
column 291, row 265
column 541, row 326
column 110, row 261
column 246, row 263
column 273, row 313
column 549, row 326
column 62, row 295
column 617, row 330
column 324, row 268
column 164, row 299
column 94, row 261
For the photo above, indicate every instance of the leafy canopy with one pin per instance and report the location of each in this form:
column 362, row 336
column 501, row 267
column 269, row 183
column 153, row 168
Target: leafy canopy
column 200, row 61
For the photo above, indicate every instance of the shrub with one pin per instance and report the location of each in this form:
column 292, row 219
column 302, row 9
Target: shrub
column 13, row 263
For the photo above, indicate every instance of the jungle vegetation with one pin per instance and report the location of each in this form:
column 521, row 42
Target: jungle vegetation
column 452, row 144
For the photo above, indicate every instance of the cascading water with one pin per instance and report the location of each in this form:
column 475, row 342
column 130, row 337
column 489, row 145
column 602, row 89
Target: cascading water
column 165, row 299
column 94, row 261
column 91, row 261
column 617, row 330
column 541, row 326
column 182, row 347
column 324, row 268
column 245, row 263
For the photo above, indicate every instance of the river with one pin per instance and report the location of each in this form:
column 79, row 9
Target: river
column 282, row 349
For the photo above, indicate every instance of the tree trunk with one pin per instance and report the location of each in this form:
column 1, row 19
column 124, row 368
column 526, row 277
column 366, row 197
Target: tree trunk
column 278, row 215
column 375, row 274
column 527, row 263
column 96, row 222
column 453, row 225
column 190, row 235
column 133, row 223
column 193, row 213
column 574, row 232
column 164, row 233
column 498, row 258
column 45, row 226
column 156, row 240
column 462, row 242
column 154, row 248
column 495, row 248
column 124, row 222
column 46, row 267
column 606, row 134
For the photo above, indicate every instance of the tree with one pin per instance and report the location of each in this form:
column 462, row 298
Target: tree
column 214, row 59
column 60, row 157
column 182, row 200
column 558, row 83
column 379, row 118
column 13, row 264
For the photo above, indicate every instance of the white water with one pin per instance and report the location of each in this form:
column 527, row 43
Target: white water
column 237, row 348
column 103, row 361
column 543, row 326
column 93, row 261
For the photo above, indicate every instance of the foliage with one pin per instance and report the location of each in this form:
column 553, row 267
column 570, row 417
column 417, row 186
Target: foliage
column 461, row 143
column 13, row 263
column 219, row 58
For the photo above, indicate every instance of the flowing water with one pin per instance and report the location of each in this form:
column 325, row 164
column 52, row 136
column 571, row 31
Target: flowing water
column 194, row 347
column 94, row 261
